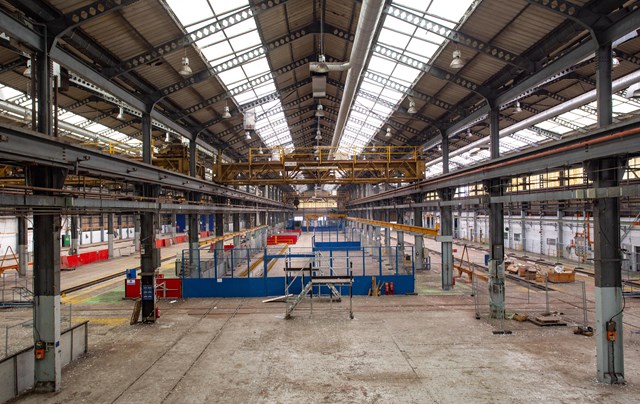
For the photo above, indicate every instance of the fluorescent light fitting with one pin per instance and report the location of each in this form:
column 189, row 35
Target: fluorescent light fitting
column 457, row 62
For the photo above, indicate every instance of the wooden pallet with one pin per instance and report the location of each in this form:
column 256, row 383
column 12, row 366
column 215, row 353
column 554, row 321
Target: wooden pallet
column 546, row 323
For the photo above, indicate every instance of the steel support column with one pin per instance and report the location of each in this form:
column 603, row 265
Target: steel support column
column 136, row 233
column 46, row 282
column 149, row 255
column 560, row 241
column 75, row 242
column 523, row 226
column 236, row 228
column 445, row 153
column 173, row 220
column 219, row 244
column 23, row 245
column 446, row 235
column 194, row 238
column 607, row 257
column 496, row 251
column 419, row 241
column 147, row 148
column 110, row 235
column 400, row 234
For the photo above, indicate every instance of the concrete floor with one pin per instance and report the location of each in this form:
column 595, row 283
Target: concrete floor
column 426, row 348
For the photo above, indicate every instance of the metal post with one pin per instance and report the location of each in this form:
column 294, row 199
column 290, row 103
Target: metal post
column 585, row 321
column 546, row 295
column 149, row 255
column 446, row 238
column 110, row 235
column 46, row 281
column 23, row 246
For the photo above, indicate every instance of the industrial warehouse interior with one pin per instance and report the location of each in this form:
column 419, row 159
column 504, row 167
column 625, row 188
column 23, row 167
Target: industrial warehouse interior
column 422, row 201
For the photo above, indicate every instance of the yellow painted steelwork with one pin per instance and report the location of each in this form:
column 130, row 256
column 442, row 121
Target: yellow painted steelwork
column 324, row 165
column 398, row 227
column 231, row 235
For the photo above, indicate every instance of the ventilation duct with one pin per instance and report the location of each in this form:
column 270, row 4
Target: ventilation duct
column 370, row 13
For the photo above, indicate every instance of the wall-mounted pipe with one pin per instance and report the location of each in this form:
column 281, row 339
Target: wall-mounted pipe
column 590, row 96
column 370, row 13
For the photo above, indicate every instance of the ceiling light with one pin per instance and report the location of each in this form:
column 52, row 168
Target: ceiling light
column 457, row 62
column 318, row 135
column 320, row 111
column 518, row 108
column 615, row 62
column 388, row 134
column 469, row 134
column 439, row 147
column 226, row 114
column 120, row 113
column 412, row 107
column 27, row 71
column 260, row 151
column 167, row 139
column 185, row 70
column 248, row 135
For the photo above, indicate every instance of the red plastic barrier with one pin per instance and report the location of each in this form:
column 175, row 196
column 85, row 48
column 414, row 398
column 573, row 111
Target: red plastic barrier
column 287, row 239
column 87, row 258
column 102, row 255
column 203, row 234
column 228, row 247
column 180, row 239
column 69, row 261
column 132, row 289
column 168, row 288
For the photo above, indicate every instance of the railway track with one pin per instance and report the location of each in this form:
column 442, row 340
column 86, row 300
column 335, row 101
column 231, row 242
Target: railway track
column 103, row 279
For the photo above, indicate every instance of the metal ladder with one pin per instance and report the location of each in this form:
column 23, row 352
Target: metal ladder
column 291, row 307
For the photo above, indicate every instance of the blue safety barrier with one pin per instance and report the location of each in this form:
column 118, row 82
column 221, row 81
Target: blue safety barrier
column 274, row 286
column 337, row 246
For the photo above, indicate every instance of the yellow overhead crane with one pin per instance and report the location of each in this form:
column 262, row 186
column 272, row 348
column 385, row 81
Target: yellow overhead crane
column 324, row 165
column 399, row 227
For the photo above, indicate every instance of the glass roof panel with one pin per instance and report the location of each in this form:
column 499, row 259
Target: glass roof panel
column 399, row 35
column 238, row 39
column 198, row 10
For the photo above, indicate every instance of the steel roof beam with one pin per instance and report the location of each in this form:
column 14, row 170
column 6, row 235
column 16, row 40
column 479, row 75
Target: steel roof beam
column 434, row 71
column 185, row 40
column 458, row 37
column 67, row 22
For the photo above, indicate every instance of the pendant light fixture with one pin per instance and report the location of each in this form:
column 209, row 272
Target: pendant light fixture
column 185, row 70
column 457, row 62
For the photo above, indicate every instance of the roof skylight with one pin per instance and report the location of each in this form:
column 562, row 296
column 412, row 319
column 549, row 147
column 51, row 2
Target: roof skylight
column 230, row 43
column 406, row 39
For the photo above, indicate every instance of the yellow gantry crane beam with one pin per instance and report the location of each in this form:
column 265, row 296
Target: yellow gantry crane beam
column 398, row 227
column 324, row 165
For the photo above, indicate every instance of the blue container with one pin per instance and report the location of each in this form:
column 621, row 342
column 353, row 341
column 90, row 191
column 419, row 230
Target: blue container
column 131, row 273
column 486, row 259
